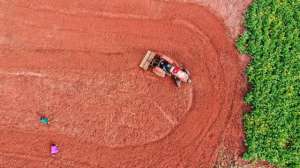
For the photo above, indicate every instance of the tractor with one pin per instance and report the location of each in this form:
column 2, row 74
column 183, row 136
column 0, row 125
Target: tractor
column 162, row 66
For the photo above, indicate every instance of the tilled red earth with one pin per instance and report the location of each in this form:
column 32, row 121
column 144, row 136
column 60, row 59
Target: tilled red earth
column 78, row 63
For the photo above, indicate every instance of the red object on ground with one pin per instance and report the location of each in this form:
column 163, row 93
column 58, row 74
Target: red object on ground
column 79, row 59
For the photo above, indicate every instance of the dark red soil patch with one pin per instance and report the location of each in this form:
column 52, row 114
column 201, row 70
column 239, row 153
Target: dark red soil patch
column 78, row 63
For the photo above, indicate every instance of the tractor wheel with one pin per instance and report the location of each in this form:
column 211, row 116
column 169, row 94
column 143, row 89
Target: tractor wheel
column 177, row 81
column 185, row 70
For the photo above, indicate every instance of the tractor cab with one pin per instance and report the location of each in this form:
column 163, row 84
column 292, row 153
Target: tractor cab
column 162, row 64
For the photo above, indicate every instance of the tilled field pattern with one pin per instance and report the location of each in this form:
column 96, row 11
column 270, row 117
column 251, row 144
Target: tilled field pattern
column 77, row 61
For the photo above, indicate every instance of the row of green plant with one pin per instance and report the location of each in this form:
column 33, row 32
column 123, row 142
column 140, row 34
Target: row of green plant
column 272, row 40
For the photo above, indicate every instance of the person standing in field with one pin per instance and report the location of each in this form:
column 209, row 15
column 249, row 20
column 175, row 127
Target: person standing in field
column 44, row 120
column 53, row 149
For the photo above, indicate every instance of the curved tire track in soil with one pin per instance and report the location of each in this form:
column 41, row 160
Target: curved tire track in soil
column 83, row 54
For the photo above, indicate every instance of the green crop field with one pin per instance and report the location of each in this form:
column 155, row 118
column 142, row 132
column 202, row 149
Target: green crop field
column 272, row 40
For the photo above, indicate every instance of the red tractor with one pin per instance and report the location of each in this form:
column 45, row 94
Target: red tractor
column 162, row 65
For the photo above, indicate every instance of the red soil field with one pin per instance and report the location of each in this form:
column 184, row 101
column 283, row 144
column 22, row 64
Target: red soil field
column 78, row 63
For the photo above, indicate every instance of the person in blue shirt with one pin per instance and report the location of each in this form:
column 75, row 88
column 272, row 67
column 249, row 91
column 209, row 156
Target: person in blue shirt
column 44, row 119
